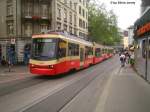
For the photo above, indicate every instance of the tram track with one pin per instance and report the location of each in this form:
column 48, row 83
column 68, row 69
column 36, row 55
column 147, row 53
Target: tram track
column 16, row 85
column 12, row 86
column 74, row 89
column 73, row 83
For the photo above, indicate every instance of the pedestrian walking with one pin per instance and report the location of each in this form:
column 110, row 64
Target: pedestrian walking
column 26, row 55
column 132, row 61
column 127, row 54
column 11, row 58
column 122, row 59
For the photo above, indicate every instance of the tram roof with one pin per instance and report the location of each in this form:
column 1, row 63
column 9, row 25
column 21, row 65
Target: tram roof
column 63, row 36
column 98, row 45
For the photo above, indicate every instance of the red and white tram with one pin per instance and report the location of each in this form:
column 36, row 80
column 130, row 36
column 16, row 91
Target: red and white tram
column 56, row 52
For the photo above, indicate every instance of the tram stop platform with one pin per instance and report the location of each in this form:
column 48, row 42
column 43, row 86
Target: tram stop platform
column 125, row 91
column 16, row 72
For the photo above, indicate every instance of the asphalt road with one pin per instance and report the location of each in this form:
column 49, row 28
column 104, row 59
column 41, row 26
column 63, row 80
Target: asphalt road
column 43, row 94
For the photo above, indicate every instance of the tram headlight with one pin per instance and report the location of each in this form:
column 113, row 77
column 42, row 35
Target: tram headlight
column 51, row 66
column 32, row 65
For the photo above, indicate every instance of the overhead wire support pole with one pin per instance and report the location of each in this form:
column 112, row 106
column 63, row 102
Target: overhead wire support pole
column 146, row 63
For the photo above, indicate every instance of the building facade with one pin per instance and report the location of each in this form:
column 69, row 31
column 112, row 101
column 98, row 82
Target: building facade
column 20, row 19
column 130, row 35
column 72, row 16
column 142, row 39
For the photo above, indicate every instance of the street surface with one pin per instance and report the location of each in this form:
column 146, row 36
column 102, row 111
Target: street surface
column 105, row 87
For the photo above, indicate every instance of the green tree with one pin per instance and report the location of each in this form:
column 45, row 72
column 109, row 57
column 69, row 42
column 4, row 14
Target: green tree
column 103, row 25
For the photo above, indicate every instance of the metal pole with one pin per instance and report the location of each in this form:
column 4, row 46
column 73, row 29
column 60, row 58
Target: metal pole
column 146, row 63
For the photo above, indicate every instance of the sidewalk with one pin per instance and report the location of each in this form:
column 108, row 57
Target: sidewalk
column 17, row 72
column 125, row 92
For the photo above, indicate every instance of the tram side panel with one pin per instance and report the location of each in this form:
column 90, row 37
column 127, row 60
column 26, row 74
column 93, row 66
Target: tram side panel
column 97, row 55
column 88, row 56
column 73, row 56
column 61, row 55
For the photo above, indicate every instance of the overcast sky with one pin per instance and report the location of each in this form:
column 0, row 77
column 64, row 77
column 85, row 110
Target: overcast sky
column 127, row 13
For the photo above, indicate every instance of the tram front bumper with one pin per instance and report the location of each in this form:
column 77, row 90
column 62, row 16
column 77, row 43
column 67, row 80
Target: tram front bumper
column 42, row 71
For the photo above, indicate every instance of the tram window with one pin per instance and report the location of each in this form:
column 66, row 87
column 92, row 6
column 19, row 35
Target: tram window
column 98, row 52
column 88, row 51
column 106, row 50
column 103, row 51
column 62, row 49
column 73, row 49
column 144, row 48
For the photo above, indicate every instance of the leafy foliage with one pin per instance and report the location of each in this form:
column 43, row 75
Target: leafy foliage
column 103, row 25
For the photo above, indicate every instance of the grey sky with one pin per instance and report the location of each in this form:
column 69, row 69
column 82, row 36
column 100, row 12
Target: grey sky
column 127, row 11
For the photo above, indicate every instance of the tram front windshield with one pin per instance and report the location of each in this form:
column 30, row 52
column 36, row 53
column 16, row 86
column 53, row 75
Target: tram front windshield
column 43, row 48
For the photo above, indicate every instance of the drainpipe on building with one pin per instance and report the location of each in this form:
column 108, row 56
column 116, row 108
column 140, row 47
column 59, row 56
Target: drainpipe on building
column 16, row 33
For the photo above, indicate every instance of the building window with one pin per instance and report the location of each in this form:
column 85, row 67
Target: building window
column 65, row 2
column 28, row 9
column 9, row 1
column 79, row 33
column 86, row 15
column 83, row 2
column 80, row 10
column 75, row 31
column 10, row 10
column 58, row 26
column 70, row 17
column 65, row 15
column 10, row 28
column 44, row 10
column 44, row 27
column 75, row 20
column 80, row 23
column 28, row 29
column 71, row 4
column 86, row 25
column 65, row 27
column 83, row 25
column 83, row 13
column 70, row 30
column 58, row 12
column 86, row 4
column 75, row 6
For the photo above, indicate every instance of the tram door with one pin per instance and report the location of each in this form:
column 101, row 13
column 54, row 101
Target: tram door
column 82, row 57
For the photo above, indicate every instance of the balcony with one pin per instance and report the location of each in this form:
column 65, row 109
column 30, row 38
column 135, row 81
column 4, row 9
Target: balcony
column 36, row 10
column 36, row 16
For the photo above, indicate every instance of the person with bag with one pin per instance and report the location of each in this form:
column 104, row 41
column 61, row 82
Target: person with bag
column 122, row 59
